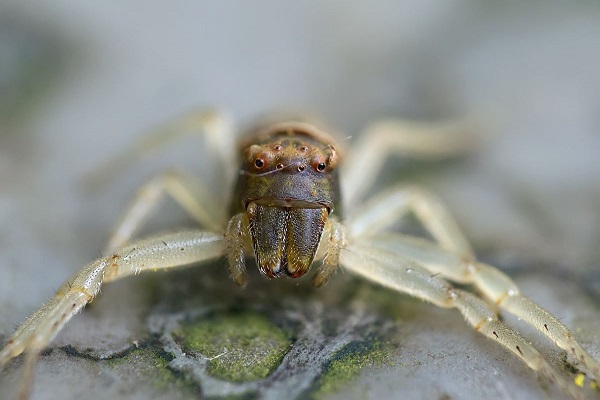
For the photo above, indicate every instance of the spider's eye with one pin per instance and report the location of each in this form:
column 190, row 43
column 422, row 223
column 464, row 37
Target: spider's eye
column 321, row 167
column 259, row 163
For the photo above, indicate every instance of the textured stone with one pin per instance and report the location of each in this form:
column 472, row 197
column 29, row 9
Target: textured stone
column 528, row 199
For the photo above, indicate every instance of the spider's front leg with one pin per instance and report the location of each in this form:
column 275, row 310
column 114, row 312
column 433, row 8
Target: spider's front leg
column 496, row 286
column 401, row 274
column 167, row 251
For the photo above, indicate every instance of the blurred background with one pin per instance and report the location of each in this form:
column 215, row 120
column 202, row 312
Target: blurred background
column 79, row 82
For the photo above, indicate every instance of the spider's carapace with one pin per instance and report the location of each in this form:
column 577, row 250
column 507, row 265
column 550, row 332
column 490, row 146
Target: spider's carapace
column 288, row 186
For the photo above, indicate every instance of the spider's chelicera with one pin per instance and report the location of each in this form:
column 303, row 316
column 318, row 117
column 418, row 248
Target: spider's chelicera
column 285, row 209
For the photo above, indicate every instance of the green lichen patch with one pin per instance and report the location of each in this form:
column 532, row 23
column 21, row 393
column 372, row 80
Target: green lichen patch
column 347, row 363
column 240, row 347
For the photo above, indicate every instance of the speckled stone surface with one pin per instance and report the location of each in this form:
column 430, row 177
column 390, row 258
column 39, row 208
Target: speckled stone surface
column 529, row 198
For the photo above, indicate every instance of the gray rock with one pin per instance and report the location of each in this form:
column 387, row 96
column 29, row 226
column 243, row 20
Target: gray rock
column 528, row 199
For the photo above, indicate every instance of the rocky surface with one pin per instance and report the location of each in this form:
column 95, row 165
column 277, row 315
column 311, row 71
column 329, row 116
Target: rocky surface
column 528, row 198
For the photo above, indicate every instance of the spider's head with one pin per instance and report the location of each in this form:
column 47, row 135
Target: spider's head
column 287, row 186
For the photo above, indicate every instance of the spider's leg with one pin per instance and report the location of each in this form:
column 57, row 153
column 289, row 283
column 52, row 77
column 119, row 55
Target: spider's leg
column 187, row 191
column 496, row 286
column 332, row 243
column 399, row 137
column 404, row 275
column 167, row 251
column 389, row 206
column 214, row 126
column 238, row 242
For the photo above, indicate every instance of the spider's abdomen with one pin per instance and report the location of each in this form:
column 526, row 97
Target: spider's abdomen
column 287, row 186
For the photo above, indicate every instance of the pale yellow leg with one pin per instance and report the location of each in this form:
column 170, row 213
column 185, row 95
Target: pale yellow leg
column 187, row 191
column 496, row 286
column 214, row 126
column 401, row 274
column 415, row 140
column 332, row 243
column 167, row 251
column 388, row 207
column 238, row 244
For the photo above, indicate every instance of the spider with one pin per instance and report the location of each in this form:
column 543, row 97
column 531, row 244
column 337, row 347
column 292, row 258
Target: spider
column 285, row 209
